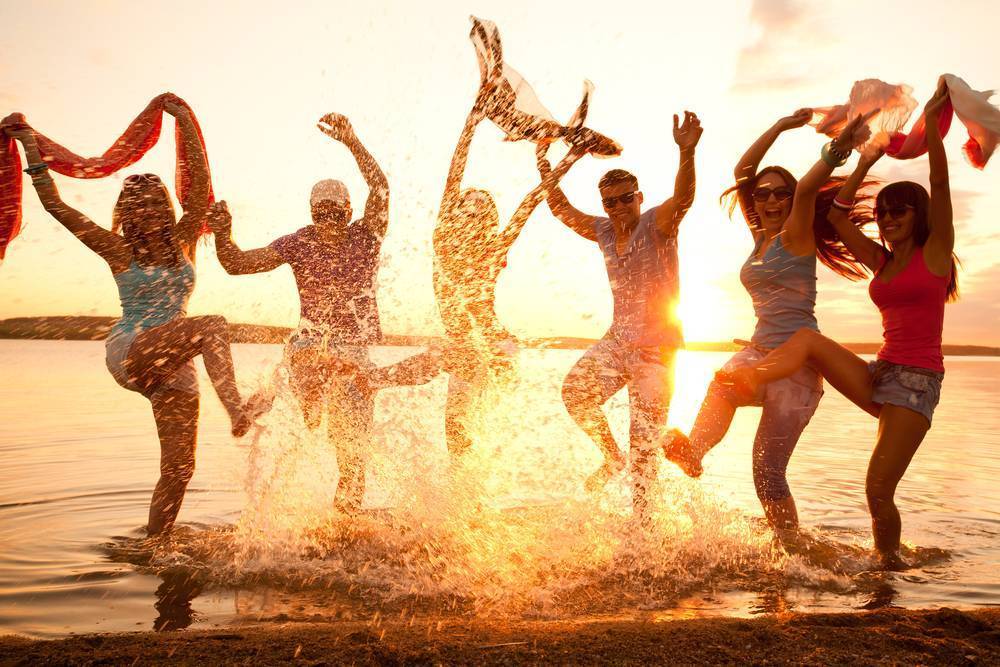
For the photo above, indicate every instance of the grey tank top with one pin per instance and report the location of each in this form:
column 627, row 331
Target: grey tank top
column 783, row 289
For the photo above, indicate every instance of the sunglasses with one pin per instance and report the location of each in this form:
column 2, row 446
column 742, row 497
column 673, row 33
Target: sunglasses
column 780, row 194
column 894, row 212
column 135, row 179
column 627, row 198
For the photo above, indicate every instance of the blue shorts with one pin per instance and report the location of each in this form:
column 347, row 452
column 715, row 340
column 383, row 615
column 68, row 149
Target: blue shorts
column 918, row 389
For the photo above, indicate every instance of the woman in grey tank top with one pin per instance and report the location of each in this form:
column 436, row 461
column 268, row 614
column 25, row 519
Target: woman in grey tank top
column 788, row 221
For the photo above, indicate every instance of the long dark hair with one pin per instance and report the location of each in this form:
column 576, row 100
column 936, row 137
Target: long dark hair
column 829, row 248
column 908, row 193
column 126, row 222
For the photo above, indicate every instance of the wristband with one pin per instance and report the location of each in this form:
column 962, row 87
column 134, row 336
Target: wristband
column 832, row 156
column 36, row 168
column 842, row 205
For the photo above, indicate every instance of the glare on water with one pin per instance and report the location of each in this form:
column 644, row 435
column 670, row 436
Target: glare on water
column 507, row 532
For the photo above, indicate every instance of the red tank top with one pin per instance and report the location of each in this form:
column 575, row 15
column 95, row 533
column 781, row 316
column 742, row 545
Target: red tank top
column 912, row 307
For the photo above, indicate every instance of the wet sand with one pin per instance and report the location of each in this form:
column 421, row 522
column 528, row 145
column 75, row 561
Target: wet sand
column 942, row 636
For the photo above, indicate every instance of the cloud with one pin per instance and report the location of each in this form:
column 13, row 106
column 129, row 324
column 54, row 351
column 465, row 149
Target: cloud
column 785, row 31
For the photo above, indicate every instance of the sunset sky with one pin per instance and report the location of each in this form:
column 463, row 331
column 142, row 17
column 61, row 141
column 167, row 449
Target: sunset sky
column 259, row 75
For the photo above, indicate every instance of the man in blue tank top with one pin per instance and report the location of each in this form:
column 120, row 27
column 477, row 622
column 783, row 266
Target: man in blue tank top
column 637, row 352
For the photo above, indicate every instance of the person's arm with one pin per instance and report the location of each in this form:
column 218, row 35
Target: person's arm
column 233, row 260
column 671, row 212
column 864, row 249
column 376, row 217
column 196, row 202
column 746, row 168
column 505, row 239
column 941, row 242
column 453, row 184
column 797, row 232
column 109, row 246
column 578, row 221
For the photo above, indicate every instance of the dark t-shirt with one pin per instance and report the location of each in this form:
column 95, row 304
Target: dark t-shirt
column 336, row 281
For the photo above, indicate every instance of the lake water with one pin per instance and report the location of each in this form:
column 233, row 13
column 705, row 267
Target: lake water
column 509, row 533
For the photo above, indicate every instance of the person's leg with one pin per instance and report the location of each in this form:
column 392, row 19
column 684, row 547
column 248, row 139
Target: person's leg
column 650, row 389
column 309, row 377
column 900, row 432
column 176, row 414
column 596, row 377
column 788, row 406
column 844, row 370
column 159, row 352
column 456, row 411
column 713, row 420
column 417, row 369
column 351, row 414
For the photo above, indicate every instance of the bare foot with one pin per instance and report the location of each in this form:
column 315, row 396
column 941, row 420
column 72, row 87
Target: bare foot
column 893, row 562
column 742, row 378
column 677, row 448
column 255, row 406
column 603, row 475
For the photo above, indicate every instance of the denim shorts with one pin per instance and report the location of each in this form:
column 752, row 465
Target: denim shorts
column 918, row 389
column 788, row 405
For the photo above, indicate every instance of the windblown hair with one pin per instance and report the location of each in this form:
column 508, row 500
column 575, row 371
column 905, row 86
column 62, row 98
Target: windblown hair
column 125, row 220
column 829, row 248
column 616, row 176
column 908, row 193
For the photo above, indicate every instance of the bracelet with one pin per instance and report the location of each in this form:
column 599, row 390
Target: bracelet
column 832, row 156
column 842, row 205
column 36, row 168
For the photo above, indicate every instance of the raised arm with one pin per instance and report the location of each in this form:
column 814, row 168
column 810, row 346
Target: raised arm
column 505, row 239
column 196, row 203
column 234, row 260
column 109, row 246
column 941, row 242
column 672, row 211
column 798, row 236
column 578, row 221
column 865, row 250
column 747, row 167
column 453, row 185
column 376, row 216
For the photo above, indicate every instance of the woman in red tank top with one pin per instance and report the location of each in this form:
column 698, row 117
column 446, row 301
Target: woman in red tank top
column 914, row 276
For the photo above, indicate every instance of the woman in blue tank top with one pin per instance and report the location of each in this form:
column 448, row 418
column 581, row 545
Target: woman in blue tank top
column 788, row 222
column 151, row 348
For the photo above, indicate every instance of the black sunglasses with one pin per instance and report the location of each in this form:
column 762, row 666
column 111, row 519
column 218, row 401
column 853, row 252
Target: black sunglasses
column 627, row 198
column 894, row 212
column 139, row 178
column 780, row 194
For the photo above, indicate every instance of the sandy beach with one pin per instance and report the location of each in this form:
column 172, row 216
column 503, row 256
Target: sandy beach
column 929, row 637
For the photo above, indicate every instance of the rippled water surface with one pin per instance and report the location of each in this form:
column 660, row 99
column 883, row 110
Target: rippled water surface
column 510, row 532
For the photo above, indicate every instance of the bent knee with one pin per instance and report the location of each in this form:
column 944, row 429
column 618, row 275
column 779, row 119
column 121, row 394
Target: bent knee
column 771, row 484
column 878, row 491
column 575, row 392
column 213, row 323
column 178, row 472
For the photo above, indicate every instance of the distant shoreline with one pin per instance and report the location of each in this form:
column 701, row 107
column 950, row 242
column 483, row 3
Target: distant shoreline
column 72, row 327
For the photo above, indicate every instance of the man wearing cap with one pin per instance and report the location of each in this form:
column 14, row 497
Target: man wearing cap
column 334, row 262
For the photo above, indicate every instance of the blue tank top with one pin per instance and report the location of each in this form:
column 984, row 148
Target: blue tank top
column 645, row 285
column 783, row 289
column 152, row 296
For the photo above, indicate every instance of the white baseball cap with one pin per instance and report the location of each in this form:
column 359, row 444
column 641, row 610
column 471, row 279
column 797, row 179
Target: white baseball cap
column 330, row 190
